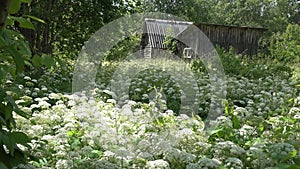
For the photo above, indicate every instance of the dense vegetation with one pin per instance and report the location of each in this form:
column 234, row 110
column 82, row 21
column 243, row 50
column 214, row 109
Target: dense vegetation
column 44, row 125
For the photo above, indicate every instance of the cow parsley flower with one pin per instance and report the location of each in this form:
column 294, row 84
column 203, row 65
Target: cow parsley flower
column 161, row 164
column 224, row 149
column 146, row 155
column 63, row 164
column 209, row 163
column 234, row 163
column 104, row 164
column 281, row 150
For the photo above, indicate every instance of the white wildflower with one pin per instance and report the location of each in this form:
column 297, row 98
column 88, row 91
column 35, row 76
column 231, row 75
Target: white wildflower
column 158, row 164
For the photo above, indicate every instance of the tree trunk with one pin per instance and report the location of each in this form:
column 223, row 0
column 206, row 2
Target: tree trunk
column 4, row 6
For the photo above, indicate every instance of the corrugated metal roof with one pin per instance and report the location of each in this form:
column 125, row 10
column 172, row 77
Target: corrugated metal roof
column 158, row 29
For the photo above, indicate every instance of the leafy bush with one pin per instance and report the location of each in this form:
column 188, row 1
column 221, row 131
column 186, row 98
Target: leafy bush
column 285, row 47
column 244, row 66
column 14, row 55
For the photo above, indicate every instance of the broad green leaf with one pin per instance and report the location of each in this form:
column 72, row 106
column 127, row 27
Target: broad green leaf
column 36, row 61
column 236, row 122
column 47, row 61
column 293, row 154
column 8, row 143
column 27, row 63
column 3, row 166
column 8, row 109
column 24, row 23
column 15, row 6
column 16, row 108
column 19, row 61
column 2, row 95
column 9, row 21
column 25, row 49
column 35, row 18
column 4, row 38
column 71, row 133
column 211, row 132
column 19, row 137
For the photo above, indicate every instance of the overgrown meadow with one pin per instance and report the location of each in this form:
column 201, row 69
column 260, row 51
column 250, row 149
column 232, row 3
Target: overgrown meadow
column 138, row 117
column 259, row 127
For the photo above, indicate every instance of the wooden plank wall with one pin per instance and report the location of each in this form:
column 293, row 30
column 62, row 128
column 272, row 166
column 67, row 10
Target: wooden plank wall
column 244, row 40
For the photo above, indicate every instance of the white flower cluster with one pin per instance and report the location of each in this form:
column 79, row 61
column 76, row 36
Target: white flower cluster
column 123, row 134
column 258, row 157
column 246, row 132
column 205, row 163
column 260, row 96
column 242, row 113
column 233, row 163
column 158, row 164
column 223, row 150
column 281, row 150
column 79, row 131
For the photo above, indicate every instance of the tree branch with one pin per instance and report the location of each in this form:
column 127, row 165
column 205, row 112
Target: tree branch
column 4, row 6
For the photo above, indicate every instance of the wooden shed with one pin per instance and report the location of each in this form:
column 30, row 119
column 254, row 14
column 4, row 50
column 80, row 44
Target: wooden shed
column 243, row 39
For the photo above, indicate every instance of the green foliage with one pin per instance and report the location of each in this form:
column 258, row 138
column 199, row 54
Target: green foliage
column 14, row 55
column 244, row 66
column 124, row 49
column 171, row 42
column 285, row 47
column 64, row 26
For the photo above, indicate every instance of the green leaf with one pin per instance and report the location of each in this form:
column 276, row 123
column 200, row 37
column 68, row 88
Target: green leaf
column 28, row 63
column 293, row 154
column 8, row 109
column 297, row 161
column 2, row 95
column 19, row 137
column 3, row 166
column 26, row 1
column 35, row 18
column 71, row 133
column 211, row 132
column 24, row 23
column 24, row 48
column 19, row 61
column 222, row 167
column 47, row 61
column 4, row 38
column 236, row 122
column 8, row 143
column 9, row 21
column 16, row 108
column 36, row 61
column 286, row 166
column 15, row 6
